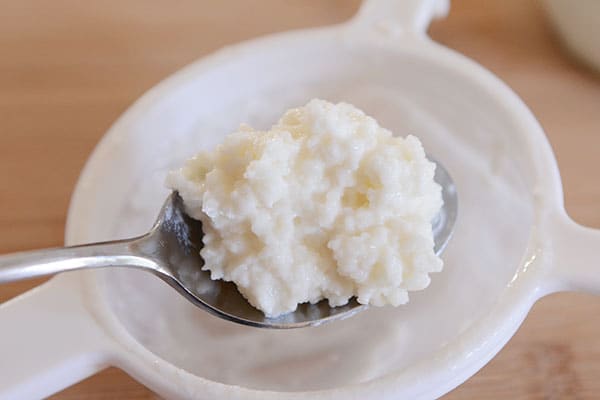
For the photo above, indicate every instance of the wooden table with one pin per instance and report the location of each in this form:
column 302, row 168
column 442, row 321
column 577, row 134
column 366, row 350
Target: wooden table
column 69, row 68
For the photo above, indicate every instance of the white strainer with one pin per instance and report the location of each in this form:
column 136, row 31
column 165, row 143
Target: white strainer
column 513, row 241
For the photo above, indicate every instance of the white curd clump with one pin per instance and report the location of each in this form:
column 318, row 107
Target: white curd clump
column 325, row 205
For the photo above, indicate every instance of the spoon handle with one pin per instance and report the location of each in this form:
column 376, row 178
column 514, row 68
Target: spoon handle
column 37, row 263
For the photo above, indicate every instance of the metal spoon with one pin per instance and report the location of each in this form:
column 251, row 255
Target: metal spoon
column 171, row 251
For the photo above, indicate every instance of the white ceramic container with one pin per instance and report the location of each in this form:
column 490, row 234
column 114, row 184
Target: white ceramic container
column 577, row 23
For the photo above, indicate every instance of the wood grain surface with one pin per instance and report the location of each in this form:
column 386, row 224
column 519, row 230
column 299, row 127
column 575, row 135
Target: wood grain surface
column 69, row 68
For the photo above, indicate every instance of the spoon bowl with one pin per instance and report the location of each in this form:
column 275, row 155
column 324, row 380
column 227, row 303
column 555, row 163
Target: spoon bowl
column 178, row 238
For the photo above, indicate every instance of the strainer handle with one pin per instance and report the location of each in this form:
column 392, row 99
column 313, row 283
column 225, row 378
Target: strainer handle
column 401, row 15
column 49, row 340
column 576, row 256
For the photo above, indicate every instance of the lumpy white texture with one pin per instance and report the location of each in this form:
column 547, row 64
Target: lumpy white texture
column 325, row 205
